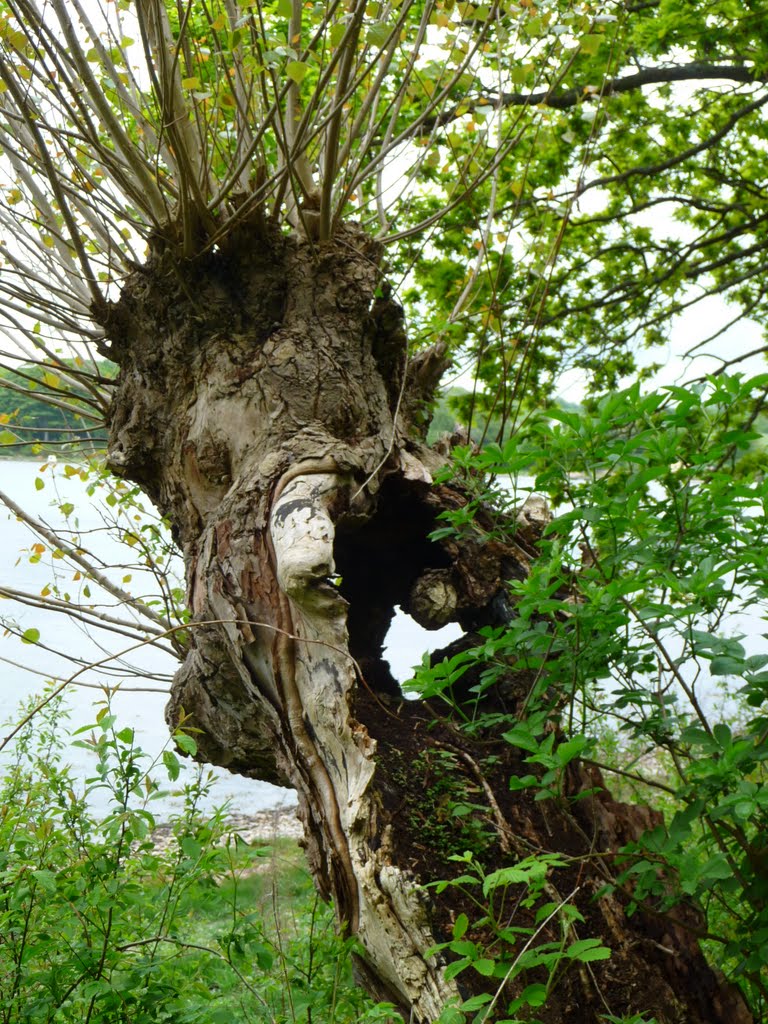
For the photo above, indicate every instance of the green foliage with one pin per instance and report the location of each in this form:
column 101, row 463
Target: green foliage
column 553, row 179
column 99, row 922
column 442, row 803
column 618, row 210
column 648, row 593
column 508, row 944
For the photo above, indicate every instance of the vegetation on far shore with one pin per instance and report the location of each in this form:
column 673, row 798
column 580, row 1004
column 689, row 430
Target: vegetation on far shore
column 34, row 420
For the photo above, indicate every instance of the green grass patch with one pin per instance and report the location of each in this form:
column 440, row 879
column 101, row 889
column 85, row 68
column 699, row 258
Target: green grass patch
column 101, row 924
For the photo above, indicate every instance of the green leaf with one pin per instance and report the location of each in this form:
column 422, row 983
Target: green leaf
column 464, row 948
column 521, row 736
column 46, row 879
column 172, row 765
column 726, row 666
column 455, row 968
column 337, row 33
column 451, row 1015
column 185, row 743
column 716, row 868
column 744, row 809
column 378, row 34
column 485, row 967
column 517, row 783
column 723, row 735
column 532, row 995
column 30, row 636
column 476, row 1002
column 190, row 847
column 683, row 822
column 587, row 950
column 567, row 751
column 297, row 71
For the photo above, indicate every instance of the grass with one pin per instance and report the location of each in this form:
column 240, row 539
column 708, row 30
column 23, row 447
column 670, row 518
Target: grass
column 101, row 925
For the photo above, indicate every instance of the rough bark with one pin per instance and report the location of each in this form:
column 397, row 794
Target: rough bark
column 266, row 404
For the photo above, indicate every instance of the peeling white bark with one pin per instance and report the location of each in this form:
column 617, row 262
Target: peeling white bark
column 302, row 533
column 391, row 921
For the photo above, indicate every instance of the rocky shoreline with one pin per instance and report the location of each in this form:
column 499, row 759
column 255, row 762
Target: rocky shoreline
column 263, row 826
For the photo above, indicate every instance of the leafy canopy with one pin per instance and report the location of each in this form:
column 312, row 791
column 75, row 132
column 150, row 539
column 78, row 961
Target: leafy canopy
column 555, row 180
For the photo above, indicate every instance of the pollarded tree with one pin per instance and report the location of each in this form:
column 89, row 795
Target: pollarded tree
column 207, row 195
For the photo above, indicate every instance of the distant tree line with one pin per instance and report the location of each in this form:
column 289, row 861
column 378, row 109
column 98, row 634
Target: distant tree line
column 33, row 421
column 456, row 407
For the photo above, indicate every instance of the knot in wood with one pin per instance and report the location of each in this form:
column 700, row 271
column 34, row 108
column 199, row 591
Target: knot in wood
column 433, row 599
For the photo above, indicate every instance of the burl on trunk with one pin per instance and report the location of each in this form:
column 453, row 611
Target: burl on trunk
column 267, row 405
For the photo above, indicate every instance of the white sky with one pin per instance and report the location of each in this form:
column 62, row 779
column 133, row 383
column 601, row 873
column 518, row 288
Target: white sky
column 687, row 330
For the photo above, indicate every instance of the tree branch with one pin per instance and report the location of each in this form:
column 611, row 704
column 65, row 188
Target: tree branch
column 629, row 83
column 568, row 98
column 98, row 577
column 650, row 170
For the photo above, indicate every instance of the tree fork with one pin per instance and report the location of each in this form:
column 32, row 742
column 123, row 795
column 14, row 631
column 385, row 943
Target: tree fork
column 266, row 404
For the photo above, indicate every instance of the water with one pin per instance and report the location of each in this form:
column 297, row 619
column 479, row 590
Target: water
column 67, row 645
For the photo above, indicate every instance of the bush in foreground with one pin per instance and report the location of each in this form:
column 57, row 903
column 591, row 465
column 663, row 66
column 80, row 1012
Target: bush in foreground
column 99, row 923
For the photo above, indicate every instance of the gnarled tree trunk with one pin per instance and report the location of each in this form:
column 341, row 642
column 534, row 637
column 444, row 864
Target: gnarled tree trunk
column 266, row 404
